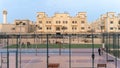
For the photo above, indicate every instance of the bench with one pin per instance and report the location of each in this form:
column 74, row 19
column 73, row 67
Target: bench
column 53, row 65
column 101, row 65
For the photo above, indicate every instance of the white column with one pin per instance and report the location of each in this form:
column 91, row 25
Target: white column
column 4, row 17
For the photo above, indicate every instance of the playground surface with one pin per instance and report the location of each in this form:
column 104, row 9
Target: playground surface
column 80, row 58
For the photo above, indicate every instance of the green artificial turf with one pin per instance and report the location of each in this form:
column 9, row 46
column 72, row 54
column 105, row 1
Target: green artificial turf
column 57, row 46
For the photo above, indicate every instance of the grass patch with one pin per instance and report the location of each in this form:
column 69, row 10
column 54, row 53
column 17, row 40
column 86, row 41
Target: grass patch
column 57, row 46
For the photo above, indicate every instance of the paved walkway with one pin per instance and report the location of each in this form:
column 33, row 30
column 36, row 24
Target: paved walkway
column 80, row 58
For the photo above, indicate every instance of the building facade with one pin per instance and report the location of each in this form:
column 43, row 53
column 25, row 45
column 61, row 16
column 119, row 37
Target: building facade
column 62, row 23
column 18, row 26
column 23, row 26
column 109, row 22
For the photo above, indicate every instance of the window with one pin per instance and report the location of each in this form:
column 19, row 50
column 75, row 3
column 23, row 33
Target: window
column 73, row 22
column 119, row 28
column 88, row 27
column 119, row 22
column 40, row 21
column 24, row 23
column 111, row 22
column 65, row 22
column 111, row 28
column 39, row 27
column 82, row 28
column 48, row 22
column 57, row 22
column 17, row 24
column 82, row 22
column 74, row 28
column 64, row 28
column 48, row 28
column 13, row 28
column 58, row 28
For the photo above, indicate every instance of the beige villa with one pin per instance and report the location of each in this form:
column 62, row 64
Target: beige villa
column 62, row 23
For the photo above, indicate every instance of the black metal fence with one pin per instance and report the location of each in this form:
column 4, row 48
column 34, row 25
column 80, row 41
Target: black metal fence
column 112, row 47
column 54, row 48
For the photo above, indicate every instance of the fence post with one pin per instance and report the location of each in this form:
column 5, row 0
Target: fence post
column 106, row 46
column 69, row 50
column 93, row 56
column 47, row 51
column 17, row 36
column 7, row 37
column 118, row 47
column 116, row 50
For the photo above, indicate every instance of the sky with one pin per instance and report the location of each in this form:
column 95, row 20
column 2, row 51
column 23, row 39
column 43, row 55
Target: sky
column 27, row 9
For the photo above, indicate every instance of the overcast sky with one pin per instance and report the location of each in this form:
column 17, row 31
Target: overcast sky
column 26, row 9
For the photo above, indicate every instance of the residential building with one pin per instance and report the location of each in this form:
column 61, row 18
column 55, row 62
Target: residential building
column 62, row 23
column 110, row 22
